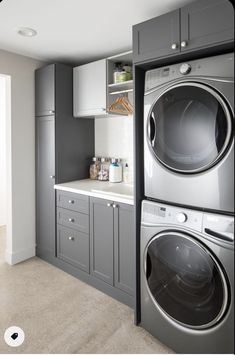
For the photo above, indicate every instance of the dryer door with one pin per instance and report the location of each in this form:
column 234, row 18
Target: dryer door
column 185, row 281
column 189, row 127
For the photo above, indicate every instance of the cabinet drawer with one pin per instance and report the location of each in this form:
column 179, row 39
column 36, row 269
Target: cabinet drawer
column 73, row 247
column 73, row 219
column 72, row 201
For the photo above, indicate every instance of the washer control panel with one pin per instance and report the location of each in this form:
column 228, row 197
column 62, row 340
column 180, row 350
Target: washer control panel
column 154, row 213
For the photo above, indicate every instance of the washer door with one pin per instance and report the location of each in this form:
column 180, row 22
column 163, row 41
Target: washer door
column 189, row 128
column 185, row 281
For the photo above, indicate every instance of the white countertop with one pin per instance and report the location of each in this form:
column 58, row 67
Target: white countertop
column 118, row 192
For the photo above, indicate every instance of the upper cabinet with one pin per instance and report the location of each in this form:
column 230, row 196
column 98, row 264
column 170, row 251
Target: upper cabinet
column 89, row 89
column 45, row 89
column 206, row 23
column 94, row 89
column 158, row 37
column 201, row 24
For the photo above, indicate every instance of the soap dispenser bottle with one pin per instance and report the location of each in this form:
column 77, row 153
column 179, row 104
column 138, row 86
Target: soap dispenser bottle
column 115, row 171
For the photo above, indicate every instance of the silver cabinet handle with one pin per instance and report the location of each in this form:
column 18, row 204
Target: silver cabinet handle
column 109, row 204
column 71, row 238
column 71, row 201
column 174, row 46
column 115, row 206
column 51, row 111
column 184, row 44
column 71, row 220
column 52, row 176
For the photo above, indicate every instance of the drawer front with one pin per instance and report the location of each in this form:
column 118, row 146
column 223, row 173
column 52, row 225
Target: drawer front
column 73, row 247
column 73, row 219
column 72, row 201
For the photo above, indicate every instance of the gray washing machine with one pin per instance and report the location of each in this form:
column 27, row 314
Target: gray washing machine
column 188, row 134
column 187, row 278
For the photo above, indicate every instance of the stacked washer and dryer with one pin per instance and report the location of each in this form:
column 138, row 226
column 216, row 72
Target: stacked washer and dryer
column 187, row 223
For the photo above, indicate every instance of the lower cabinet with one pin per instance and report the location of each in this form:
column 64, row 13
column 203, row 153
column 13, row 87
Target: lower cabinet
column 73, row 247
column 102, row 244
column 112, row 243
column 98, row 242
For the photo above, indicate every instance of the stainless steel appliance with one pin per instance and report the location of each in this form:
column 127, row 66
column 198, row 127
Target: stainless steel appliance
column 188, row 133
column 187, row 278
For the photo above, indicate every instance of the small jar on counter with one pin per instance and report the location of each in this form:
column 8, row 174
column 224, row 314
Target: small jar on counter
column 103, row 174
column 94, row 168
column 115, row 170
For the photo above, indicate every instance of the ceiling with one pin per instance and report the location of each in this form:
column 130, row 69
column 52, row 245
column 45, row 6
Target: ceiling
column 75, row 31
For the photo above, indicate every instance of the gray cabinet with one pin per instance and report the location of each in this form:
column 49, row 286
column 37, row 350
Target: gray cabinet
column 73, row 247
column 102, row 243
column 158, row 37
column 45, row 90
column 89, row 89
column 64, row 146
column 112, row 243
column 205, row 23
column 73, row 240
column 201, row 24
column 45, row 171
column 124, row 274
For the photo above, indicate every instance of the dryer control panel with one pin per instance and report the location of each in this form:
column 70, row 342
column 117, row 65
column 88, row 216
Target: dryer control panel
column 206, row 67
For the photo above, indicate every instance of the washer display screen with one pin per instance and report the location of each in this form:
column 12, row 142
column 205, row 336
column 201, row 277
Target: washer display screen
column 185, row 280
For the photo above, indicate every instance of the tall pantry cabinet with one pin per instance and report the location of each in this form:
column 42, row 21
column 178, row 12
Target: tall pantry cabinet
column 64, row 146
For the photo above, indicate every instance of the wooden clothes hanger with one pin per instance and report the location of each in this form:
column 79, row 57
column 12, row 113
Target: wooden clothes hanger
column 122, row 106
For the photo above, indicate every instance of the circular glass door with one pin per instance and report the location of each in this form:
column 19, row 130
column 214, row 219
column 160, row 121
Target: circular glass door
column 189, row 128
column 185, row 281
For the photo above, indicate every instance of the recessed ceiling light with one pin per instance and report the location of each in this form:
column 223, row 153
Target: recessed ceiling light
column 26, row 32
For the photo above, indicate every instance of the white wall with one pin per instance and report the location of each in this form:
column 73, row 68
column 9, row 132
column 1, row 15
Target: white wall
column 3, row 214
column 114, row 138
column 21, row 239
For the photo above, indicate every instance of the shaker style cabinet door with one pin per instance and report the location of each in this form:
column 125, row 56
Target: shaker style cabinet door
column 45, row 90
column 158, row 37
column 101, row 237
column 124, row 248
column 206, row 23
column 45, row 207
column 89, row 89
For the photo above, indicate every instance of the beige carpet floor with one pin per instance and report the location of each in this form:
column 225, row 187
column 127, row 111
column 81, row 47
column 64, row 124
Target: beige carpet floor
column 60, row 314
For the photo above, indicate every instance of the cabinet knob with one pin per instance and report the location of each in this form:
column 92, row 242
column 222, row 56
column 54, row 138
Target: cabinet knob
column 71, row 220
column 184, row 44
column 71, row 201
column 174, row 46
column 109, row 204
column 71, row 238
column 52, row 176
column 115, row 206
column 51, row 111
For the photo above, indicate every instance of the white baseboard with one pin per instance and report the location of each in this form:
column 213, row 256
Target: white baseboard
column 20, row 255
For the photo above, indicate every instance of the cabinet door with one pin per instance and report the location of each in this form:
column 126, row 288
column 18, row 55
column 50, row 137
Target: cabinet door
column 124, row 247
column 156, row 38
column 101, row 234
column 73, row 247
column 206, row 23
column 45, row 146
column 89, row 89
column 45, row 90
